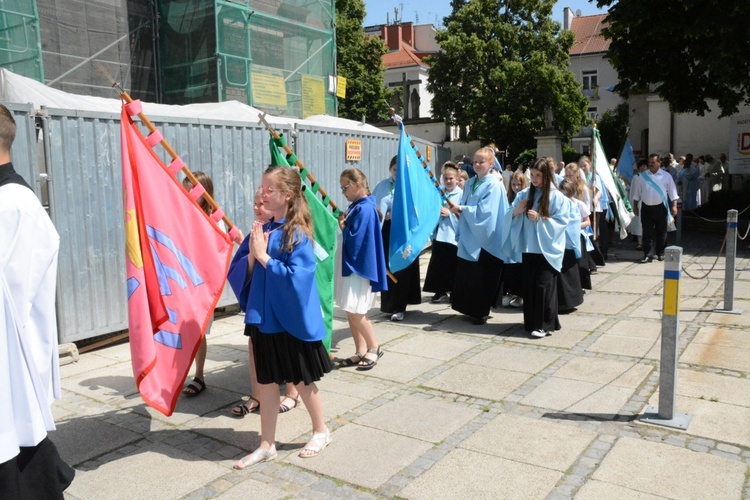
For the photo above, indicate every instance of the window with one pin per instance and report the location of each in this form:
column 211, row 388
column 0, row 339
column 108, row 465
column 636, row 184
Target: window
column 593, row 113
column 590, row 79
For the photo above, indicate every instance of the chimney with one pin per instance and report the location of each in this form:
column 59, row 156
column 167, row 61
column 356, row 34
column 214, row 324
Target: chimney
column 407, row 32
column 567, row 18
column 393, row 36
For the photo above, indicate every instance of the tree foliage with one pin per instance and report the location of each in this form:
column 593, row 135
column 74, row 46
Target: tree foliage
column 501, row 64
column 687, row 52
column 359, row 61
column 612, row 126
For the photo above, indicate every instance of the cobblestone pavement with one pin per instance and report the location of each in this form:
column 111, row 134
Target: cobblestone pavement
column 452, row 408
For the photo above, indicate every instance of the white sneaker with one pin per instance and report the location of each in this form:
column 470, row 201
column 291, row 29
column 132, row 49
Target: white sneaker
column 540, row 334
column 517, row 302
column 399, row 316
column 506, row 300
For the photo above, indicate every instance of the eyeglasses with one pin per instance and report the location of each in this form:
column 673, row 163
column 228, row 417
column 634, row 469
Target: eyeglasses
column 344, row 188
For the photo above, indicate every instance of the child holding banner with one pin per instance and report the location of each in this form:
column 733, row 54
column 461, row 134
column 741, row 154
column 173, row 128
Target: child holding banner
column 441, row 271
column 273, row 274
column 362, row 267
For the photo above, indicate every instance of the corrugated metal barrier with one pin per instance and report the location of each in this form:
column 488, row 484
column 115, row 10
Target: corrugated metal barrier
column 81, row 155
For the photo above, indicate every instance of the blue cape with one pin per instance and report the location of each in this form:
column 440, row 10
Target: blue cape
column 362, row 250
column 283, row 296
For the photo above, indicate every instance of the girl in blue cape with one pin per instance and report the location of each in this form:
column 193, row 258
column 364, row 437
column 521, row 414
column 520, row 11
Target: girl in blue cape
column 480, row 257
column 273, row 276
column 362, row 267
column 405, row 289
column 441, row 271
column 534, row 234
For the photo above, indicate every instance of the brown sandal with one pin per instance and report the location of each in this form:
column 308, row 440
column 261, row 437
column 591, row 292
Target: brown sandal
column 285, row 408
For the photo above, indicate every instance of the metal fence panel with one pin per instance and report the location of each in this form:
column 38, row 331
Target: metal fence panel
column 24, row 153
column 83, row 155
column 323, row 151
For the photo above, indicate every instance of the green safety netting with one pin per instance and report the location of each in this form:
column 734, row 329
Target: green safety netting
column 20, row 43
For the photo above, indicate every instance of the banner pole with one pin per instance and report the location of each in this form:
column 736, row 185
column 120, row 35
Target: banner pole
column 298, row 163
column 425, row 166
column 167, row 147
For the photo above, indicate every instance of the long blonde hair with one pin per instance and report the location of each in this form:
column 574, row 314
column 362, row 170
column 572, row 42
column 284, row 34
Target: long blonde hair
column 298, row 217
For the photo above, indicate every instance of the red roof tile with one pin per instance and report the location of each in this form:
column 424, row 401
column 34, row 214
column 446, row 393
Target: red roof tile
column 588, row 31
column 403, row 57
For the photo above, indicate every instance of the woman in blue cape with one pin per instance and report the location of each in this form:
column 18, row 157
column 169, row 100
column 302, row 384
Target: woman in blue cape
column 535, row 236
column 273, row 276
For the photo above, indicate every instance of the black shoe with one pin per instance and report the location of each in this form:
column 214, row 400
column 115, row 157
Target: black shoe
column 479, row 320
column 439, row 297
column 660, row 258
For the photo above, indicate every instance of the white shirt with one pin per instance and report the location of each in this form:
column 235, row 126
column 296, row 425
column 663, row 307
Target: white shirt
column 645, row 192
column 29, row 366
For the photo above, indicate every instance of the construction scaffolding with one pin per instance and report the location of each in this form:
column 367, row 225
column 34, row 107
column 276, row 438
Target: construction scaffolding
column 20, row 43
column 274, row 55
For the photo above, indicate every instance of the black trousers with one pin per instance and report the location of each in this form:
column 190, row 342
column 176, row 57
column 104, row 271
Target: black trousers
column 654, row 222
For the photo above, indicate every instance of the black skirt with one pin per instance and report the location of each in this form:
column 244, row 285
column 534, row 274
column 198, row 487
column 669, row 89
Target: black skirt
column 540, row 296
column 476, row 285
column 407, row 290
column 569, row 294
column 441, row 271
column 282, row 358
column 36, row 472
column 584, row 266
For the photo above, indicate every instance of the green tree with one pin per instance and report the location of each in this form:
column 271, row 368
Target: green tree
column 499, row 68
column 359, row 61
column 686, row 52
column 612, row 126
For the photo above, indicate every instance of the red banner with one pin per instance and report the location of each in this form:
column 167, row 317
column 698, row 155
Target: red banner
column 177, row 260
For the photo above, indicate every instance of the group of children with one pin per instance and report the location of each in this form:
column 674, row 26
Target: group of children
column 527, row 243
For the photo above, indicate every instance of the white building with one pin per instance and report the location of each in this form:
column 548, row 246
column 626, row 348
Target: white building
column 653, row 127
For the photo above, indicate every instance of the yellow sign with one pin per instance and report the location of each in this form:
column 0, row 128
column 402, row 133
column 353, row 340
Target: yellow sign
column 429, row 153
column 340, row 87
column 313, row 96
column 353, row 150
column 671, row 297
column 268, row 90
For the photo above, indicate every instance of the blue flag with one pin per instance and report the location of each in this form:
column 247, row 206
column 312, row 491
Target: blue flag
column 626, row 163
column 416, row 207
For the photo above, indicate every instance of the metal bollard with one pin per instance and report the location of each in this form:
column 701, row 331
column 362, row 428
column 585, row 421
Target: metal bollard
column 678, row 223
column 670, row 326
column 730, row 264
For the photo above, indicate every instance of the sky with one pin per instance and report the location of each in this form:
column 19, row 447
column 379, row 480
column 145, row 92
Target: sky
column 433, row 11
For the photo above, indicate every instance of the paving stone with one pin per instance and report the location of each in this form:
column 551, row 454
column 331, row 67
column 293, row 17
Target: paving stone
column 519, row 360
column 597, row 490
column 651, row 468
column 578, row 397
column 81, row 439
column 719, row 347
column 387, row 454
column 478, row 381
column 156, row 467
column 250, row 488
column 433, row 345
column 604, row 371
column 438, row 419
column 469, row 474
column 534, row 442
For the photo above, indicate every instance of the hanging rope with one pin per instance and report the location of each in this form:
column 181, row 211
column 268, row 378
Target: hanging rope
column 723, row 243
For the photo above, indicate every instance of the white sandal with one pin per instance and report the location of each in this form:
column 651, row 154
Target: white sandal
column 256, row 457
column 317, row 444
